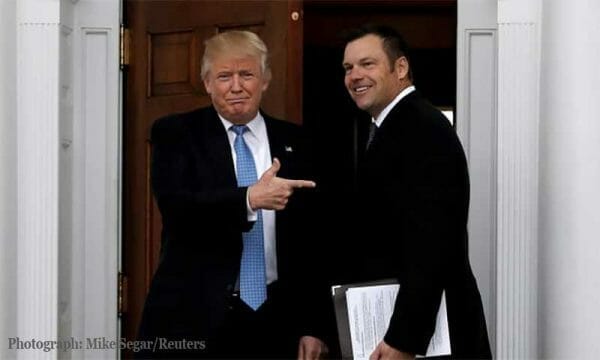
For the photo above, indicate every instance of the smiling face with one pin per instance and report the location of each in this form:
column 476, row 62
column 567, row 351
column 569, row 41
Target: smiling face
column 370, row 78
column 235, row 85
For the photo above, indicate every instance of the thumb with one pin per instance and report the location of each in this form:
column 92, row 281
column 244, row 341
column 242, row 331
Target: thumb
column 301, row 351
column 272, row 171
column 376, row 353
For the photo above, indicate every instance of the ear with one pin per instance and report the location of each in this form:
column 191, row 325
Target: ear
column 265, row 85
column 266, row 79
column 402, row 68
column 207, row 85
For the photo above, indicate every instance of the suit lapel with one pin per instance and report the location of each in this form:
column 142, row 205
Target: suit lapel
column 279, row 149
column 390, row 122
column 217, row 146
column 277, row 144
column 397, row 112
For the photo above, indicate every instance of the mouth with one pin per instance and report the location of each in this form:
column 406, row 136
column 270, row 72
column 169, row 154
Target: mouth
column 236, row 101
column 361, row 89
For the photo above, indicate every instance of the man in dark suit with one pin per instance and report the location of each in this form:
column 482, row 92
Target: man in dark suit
column 413, row 199
column 234, row 246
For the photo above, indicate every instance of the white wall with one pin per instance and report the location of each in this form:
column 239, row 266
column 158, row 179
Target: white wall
column 569, row 223
column 8, row 170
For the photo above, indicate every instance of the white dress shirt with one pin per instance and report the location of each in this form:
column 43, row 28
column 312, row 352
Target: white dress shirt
column 258, row 142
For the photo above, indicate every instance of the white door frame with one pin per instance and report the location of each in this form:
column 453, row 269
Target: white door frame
column 498, row 111
column 68, row 174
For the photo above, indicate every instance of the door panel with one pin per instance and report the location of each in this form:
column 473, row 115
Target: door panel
column 163, row 77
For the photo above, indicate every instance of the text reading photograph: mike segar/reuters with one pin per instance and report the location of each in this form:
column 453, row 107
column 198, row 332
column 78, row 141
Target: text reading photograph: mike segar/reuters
column 104, row 343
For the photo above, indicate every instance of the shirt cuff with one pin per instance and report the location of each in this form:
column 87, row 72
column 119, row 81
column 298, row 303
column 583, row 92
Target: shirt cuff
column 252, row 214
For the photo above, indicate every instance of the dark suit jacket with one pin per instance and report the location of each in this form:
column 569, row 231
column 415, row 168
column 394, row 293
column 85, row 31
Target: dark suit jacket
column 204, row 214
column 413, row 200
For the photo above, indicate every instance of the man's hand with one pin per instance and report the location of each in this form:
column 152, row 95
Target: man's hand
column 385, row 352
column 311, row 348
column 272, row 192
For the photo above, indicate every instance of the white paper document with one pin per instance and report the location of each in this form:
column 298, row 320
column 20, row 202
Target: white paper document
column 370, row 309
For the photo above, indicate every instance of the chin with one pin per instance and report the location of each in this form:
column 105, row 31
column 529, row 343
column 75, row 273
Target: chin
column 237, row 113
column 363, row 106
column 240, row 118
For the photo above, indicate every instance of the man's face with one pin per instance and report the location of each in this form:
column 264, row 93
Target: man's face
column 369, row 79
column 235, row 86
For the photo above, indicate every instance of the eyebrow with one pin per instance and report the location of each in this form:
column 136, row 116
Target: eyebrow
column 368, row 58
column 361, row 60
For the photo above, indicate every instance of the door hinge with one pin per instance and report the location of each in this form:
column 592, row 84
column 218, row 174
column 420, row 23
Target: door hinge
column 125, row 49
column 122, row 300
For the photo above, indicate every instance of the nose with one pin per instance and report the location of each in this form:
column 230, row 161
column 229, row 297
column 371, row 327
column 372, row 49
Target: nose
column 236, row 85
column 354, row 74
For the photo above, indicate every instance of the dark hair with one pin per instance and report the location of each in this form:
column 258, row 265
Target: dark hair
column 394, row 44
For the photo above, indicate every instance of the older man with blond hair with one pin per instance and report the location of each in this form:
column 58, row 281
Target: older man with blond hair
column 234, row 238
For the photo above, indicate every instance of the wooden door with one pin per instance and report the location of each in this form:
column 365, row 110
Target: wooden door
column 163, row 77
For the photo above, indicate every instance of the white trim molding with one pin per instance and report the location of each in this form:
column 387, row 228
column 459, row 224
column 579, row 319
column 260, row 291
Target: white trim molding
column 476, row 110
column 478, row 133
column 96, row 184
column 96, row 174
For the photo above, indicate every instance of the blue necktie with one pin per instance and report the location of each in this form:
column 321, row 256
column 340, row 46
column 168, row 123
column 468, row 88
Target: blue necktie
column 253, row 288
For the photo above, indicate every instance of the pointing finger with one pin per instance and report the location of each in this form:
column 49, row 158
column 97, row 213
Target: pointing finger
column 297, row 184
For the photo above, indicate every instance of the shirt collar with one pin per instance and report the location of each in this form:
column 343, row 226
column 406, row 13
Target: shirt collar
column 391, row 105
column 254, row 125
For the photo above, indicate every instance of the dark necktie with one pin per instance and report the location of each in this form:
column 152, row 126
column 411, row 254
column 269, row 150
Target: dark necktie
column 372, row 131
column 253, row 279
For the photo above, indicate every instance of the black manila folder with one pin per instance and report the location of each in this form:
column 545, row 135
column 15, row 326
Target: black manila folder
column 341, row 312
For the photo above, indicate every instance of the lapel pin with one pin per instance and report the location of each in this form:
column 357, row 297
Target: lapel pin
column 288, row 149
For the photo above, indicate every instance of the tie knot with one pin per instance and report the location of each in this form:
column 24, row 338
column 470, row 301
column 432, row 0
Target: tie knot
column 373, row 128
column 372, row 131
column 239, row 129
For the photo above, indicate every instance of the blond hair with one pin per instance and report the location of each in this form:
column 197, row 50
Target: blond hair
column 236, row 43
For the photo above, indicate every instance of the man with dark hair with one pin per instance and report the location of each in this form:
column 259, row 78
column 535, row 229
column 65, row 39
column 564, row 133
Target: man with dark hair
column 412, row 203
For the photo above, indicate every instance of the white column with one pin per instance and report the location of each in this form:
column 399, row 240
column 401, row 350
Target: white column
column 37, row 173
column 570, row 181
column 8, row 177
column 518, row 114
